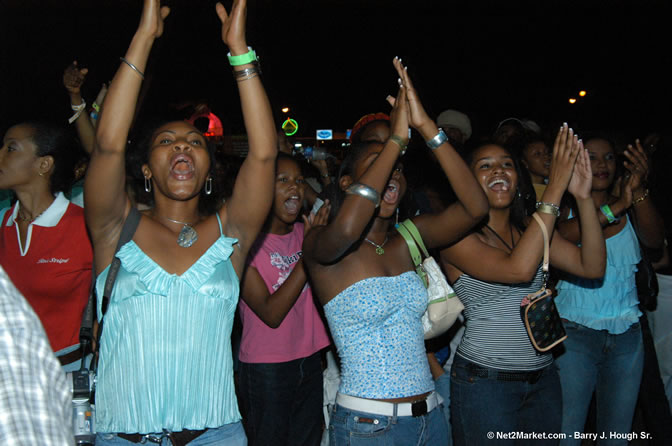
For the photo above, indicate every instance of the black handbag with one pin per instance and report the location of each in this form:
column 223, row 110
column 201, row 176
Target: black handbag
column 645, row 277
column 538, row 311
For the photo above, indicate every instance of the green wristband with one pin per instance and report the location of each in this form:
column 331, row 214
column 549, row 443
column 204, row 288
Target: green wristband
column 243, row 59
column 606, row 211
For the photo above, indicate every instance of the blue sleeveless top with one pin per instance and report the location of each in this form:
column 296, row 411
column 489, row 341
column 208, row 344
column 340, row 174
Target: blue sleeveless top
column 165, row 353
column 610, row 303
column 377, row 330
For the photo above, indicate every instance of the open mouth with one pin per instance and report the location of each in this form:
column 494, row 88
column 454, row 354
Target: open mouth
column 499, row 185
column 601, row 175
column 292, row 205
column 391, row 195
column 182, row 166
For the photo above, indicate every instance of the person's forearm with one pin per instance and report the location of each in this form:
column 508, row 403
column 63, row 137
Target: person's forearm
column 278, row 304
column 593, row 248
column 117, row 115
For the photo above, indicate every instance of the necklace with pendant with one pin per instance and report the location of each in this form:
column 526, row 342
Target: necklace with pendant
column 379, row 248
column 187, row 235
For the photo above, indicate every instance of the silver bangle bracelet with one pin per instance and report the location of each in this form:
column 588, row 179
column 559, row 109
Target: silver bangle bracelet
column 247, row 72
column 364, row 191
column 439, row 139
column 133, row 67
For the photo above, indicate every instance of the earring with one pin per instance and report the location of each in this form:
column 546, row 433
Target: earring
column 397, row 222
column 148, row 185
column 208, row 186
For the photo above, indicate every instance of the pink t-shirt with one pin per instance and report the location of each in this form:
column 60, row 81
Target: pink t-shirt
column 302, row 332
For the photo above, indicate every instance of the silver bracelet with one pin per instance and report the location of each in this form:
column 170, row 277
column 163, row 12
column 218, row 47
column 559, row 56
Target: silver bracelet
column 133, row 67
column 364, row 191
column 548, row 208
column 247, row 72
column 439, row 139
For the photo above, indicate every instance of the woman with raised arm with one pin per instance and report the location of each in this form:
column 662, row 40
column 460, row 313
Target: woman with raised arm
column 373, row 299
column 499, row 382
column 604, row 352
column 165, row 367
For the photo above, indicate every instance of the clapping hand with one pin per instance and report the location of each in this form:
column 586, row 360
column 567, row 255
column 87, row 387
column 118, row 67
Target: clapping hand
column 581, row 182
column 319, row 219
column 637, row 164
column 565, row 152
column 399, row 114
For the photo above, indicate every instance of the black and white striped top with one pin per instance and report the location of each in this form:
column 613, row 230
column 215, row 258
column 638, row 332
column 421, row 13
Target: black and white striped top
column 495, row 334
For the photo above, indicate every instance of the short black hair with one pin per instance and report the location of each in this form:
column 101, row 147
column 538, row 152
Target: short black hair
column 56, row 141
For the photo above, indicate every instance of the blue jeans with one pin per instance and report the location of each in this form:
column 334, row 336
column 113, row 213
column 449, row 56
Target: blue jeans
column 230, row 435
column 611, row 366
column 282, row 402
column 353, row 428
column 442, row 384
column 483, row 406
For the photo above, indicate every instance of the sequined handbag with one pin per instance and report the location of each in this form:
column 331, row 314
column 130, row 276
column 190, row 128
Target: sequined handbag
column 443, row 305
column 538, row 311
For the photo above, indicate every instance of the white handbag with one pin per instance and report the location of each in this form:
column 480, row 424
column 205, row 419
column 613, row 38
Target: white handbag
column 443, row 305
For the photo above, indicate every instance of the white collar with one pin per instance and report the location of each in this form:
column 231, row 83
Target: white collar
column 50, row 217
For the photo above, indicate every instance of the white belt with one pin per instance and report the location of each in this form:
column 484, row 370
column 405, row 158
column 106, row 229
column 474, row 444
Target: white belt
column 416, row 409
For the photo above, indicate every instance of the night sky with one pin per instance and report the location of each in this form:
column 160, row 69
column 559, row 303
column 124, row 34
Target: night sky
column 330, row 61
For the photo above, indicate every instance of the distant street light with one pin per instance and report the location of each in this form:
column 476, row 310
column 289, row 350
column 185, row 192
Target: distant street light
column 285, row 109
column 572, row 100
column 582, row 93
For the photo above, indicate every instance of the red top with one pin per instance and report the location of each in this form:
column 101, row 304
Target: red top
column 53, row 269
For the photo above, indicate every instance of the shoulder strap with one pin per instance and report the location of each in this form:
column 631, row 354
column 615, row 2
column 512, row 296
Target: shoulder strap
column 544, row 232
column 86, row 329
column 416, row 235
column 413, row 250
column 127, row 232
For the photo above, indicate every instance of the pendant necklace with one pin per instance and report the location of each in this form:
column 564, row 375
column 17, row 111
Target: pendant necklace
column 510, row 247
column 379, row 248
column 187, row 235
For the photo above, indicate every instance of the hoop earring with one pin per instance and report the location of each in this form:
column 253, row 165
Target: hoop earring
column 208, row 186
column 148, row 185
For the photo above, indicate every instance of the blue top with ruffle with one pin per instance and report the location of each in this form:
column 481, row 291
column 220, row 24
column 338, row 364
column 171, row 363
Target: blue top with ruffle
column 165, row 353
column 610, row 303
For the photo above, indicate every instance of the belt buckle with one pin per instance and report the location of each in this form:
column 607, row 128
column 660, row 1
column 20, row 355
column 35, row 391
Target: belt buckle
column 419, row 408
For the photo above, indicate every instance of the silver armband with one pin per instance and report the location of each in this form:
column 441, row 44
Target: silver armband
column 364, row 191
column 439, row 139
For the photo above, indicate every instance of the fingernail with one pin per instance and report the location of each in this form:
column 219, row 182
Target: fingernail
column 564, row 124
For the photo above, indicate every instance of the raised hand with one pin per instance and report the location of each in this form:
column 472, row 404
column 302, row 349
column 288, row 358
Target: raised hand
column 637, row 164
column 73, row 78
column 581, row 182
column 233, row 26
column 153, row 15
column 399, row 114
column 565, row 152
column 319, row 219
column 417, row 116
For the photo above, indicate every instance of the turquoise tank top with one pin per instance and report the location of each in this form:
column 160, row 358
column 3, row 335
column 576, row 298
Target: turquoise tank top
column 165, row 353
column 610, row 303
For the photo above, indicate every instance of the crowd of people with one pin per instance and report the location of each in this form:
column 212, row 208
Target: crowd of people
column 241, row 278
